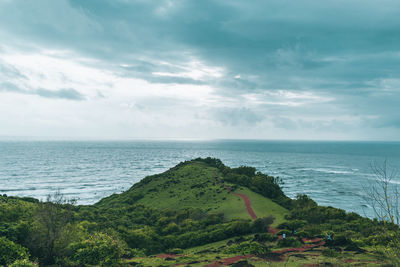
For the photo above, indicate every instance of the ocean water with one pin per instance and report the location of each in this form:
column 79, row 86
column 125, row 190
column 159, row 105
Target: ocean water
column 332, row 173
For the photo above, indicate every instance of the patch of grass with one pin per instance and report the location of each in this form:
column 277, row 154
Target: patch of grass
column 264, row 207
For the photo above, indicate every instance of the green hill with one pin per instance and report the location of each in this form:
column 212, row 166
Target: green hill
column 196, row 185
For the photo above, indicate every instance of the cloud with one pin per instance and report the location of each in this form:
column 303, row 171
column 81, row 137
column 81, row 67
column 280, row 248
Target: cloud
column 290, row 66
column 69, row 94
column 243, row 117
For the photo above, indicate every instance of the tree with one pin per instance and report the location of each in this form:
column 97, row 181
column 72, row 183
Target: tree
column 52, row 218
column 384, row 196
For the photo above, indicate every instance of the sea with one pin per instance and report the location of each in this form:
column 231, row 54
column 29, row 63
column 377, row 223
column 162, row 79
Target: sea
column 332, row 173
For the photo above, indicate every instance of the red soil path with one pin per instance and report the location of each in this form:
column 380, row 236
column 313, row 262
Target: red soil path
column 301, row 249
column 245, row 198
column 250, row 210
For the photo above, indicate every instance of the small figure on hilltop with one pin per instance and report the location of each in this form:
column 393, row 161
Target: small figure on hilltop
column 283, row 236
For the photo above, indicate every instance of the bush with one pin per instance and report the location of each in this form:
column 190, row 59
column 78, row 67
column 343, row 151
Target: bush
column 265, row 237
column 292, row 225
column 341, row 240
column 262, row 224
column 289, row 242
column 247, row 247
column 10, row 252
column 330, row 253
column 23, row 263
column 304, row 234
column 98, row 249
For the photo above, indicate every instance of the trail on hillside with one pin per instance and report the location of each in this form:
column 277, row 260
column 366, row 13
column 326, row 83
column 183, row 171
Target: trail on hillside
column 245, row 198
column 280, row 254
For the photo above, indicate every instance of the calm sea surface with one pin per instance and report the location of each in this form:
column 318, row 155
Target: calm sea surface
column 332, row 173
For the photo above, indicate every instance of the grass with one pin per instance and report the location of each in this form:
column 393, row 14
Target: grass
column 263, row 206
column 213, row 252
column 195, row 186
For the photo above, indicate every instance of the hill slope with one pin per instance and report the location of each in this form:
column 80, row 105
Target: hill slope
column 197, row 185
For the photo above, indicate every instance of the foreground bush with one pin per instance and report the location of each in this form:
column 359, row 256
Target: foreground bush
column 10, row 252
column 289, row 242
column 98, row 249
column 23, row 263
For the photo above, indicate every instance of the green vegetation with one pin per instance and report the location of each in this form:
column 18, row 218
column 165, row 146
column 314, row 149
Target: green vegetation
column 190, row 213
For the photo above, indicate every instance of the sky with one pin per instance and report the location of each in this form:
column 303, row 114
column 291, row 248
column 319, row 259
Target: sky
column 188, row 69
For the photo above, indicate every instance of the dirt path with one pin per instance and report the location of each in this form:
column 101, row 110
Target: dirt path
column 250, row 210
column 300, row 249
column 245, row 198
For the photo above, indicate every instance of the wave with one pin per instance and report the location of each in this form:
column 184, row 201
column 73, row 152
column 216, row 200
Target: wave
column 327, row 170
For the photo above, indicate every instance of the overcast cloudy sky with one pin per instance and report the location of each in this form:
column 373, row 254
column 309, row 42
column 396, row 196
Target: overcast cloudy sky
column 200, row 69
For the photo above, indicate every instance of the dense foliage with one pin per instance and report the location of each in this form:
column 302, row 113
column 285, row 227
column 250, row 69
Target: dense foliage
column 266, row 185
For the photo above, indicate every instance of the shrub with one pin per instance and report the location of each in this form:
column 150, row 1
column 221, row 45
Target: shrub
column 262, row 224
column 341, row 240
column 289, row 242
column 10, row 252
column 265, row 237
column 98, row 249
column 292, row 225
column 247, row 247
column 23, row 263
column 330, row 253
column 303, row 234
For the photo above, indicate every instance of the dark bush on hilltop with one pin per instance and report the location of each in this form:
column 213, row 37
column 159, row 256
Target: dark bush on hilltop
column 263, row 184
column 212, row 162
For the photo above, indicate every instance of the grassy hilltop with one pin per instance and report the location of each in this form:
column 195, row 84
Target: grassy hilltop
column 195, row 185
column 198, row 213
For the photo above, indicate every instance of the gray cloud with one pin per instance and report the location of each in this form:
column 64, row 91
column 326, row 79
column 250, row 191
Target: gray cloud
column 66, row 93
column 69, row 94
column 343, row 49
column 10, row 87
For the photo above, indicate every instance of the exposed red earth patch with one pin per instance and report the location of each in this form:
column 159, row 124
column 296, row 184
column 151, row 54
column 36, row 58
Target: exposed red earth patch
column 250, row 210
column 301, row 249
column 245, row 198
column 315, row 240
column 273, row 231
